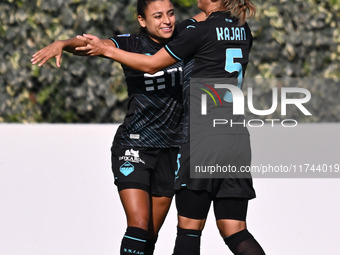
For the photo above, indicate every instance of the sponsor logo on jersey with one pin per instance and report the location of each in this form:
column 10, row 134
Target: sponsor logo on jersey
column 132, row 156
column 157, row 81
column 127, row 168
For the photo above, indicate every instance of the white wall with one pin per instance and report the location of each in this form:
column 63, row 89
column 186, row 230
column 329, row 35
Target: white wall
column 57, row 195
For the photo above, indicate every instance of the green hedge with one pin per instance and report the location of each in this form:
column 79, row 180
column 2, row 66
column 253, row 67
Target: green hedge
column 292, row 39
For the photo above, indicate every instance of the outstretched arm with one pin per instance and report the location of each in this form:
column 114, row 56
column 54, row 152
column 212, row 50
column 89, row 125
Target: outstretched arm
column 56, row 48
column 149, row 64
column 141, row 62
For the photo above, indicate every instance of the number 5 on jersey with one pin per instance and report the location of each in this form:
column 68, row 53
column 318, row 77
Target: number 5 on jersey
column 232, row 66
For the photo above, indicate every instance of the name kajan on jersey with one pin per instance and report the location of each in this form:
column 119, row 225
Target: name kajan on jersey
column 231, row 34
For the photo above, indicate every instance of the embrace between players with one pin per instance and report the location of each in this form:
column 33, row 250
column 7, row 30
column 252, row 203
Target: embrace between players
column 151, row 149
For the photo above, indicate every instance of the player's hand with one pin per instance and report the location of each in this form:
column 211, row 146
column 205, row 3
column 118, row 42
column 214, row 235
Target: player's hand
column 53, row 50
column 94, row 46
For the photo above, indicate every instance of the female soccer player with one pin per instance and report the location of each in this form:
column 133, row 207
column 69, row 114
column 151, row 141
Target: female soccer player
column 145, row 147
column 219, row 48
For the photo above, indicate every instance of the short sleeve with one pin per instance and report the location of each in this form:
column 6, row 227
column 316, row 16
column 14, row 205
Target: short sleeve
column 183, row 25
column 185, row 44
column 125, row 42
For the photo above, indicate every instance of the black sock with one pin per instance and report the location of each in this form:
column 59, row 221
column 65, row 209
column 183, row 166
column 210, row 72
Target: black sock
column 133, row 241
column 243, row 243
column 150, row 246
column 188, row 242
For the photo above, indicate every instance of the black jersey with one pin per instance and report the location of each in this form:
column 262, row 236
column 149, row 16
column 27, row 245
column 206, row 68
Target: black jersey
column 155, row 105
column 219, row 49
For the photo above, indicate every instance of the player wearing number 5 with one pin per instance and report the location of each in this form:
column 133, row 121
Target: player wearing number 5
column 216, row 48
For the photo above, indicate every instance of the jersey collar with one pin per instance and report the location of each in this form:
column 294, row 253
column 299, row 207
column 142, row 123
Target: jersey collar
column 220, row 14
column 152, row 42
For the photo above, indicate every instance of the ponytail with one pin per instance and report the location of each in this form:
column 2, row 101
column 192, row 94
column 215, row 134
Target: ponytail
column 241, row 9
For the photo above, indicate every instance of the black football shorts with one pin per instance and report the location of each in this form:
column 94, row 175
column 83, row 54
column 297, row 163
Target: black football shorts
column 149, row 169
column 237, row 152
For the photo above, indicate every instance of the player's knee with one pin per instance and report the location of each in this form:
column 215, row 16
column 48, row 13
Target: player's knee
column 188, row 223
column 230, row 227
column 138, row 221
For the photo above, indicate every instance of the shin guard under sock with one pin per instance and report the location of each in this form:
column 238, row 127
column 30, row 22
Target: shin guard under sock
column 188, row 242
column 243, row 243
column 133, row 241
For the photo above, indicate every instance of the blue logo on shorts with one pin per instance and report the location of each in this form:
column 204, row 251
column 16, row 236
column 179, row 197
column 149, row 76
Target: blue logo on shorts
column 127, row 168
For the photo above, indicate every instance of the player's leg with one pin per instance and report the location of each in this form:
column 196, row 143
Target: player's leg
column 243, row 243
column 136, row 203
column 132, row 177
column 230, row 215
column 231, row 222
column 231, row 201
column 193, row 208
column 162, row 190
column 159, row 210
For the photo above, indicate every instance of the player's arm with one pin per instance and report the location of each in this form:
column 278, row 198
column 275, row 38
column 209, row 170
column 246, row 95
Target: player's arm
column 141, row 62
column 56, row 48
column 149, row 64
column 144, row 63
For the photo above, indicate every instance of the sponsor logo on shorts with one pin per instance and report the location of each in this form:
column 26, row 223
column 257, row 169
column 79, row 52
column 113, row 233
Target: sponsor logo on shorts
column 127, row 168
column 132, row 156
